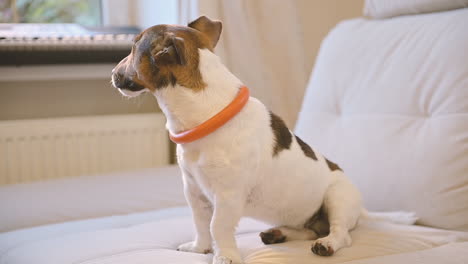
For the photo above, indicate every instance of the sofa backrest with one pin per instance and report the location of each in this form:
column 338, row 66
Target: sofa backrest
column 388, row 102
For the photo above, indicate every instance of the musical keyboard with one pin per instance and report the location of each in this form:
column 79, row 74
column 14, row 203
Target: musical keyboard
column 29, row 44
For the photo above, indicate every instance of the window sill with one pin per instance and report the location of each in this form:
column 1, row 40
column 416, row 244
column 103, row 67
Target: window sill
column 56, row 72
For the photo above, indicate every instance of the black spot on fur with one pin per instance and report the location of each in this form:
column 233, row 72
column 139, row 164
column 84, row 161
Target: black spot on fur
column 333, row 166
column 272, row 236
column 322, row 250
column 283, row 137
column 130, row 85
column 306, row 149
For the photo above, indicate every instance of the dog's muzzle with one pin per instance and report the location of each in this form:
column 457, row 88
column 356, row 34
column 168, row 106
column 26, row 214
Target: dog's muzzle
column 121, row 82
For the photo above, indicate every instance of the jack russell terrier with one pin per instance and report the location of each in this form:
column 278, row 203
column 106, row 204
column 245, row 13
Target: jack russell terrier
column 237, row 157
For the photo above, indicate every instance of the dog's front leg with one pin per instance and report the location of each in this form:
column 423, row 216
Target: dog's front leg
column 227, row 213
column 202, row 211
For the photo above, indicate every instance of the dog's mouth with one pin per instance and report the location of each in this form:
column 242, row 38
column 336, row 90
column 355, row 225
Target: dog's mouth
column 123, row 83
column 126, row 86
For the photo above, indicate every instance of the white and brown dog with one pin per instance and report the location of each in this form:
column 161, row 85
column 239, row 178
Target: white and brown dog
column 250, row 163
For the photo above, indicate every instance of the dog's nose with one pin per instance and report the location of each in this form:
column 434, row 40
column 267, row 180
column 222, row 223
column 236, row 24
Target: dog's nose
column 117, row 79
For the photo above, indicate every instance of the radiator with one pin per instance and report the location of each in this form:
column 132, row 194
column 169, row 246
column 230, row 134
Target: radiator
column 42, row 149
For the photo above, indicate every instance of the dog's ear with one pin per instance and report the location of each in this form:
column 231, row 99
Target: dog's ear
column 170, row 51
column 211, row 28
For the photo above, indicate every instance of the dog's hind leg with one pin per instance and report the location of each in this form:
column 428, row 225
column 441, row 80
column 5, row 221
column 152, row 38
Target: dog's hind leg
column 342, row 205
column 283, row 233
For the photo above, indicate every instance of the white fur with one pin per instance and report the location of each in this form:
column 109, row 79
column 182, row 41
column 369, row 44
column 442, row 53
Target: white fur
column 232, row 172
column 129, row 93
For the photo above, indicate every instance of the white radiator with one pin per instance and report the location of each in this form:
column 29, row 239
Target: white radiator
column 63, row 147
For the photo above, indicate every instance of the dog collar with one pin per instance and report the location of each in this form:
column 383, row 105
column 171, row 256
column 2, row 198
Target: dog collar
column 214, row 122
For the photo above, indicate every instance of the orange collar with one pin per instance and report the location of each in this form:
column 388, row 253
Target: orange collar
column 215, row 122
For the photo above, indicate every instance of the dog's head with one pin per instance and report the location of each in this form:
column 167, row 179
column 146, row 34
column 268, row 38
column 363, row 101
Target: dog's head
column 165, row 55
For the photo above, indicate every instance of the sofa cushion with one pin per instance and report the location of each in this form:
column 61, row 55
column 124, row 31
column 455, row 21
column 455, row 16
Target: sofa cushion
column 53, row 201
column 391, row 8
column 453, row 253
column 153, row 237
column 388, row 101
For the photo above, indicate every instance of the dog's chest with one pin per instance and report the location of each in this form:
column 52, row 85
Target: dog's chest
column 204, row 168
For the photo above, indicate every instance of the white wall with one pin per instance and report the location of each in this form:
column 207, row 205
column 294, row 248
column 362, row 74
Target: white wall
column 153, row 12
column 142, row 13
column 319, row 17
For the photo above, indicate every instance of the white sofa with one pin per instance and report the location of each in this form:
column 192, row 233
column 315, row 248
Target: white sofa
column 388, row 100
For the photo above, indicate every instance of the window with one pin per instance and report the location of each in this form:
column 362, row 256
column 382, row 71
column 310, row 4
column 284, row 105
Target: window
column 83, row 12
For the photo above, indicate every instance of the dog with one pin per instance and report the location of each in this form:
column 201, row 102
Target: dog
column 250, row 163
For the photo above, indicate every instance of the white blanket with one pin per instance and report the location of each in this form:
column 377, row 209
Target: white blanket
column 152, row 237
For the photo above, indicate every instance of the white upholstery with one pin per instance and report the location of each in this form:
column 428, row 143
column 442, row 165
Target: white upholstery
column 55, row 201
column 388, row 101
column 152, row 237
column 392, row 8
column 453, row 253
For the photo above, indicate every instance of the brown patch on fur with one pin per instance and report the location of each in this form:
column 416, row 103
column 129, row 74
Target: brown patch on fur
column 164, row 55
column 319, row 223
column 283, row 137
column 306, row 149
column 333, row 166
column 173, row 57
column 207, row 251
column 212, row 29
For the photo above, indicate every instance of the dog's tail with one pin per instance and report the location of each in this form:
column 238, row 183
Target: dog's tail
column 397, row 217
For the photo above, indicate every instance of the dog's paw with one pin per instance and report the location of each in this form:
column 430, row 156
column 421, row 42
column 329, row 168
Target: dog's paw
column 272, row 236
column 193, row 247
column 227, row 256
column 322, row 248
column 225, row 260
column 221, row 260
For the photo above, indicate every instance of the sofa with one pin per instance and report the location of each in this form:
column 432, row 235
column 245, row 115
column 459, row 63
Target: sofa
column 387, row 100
